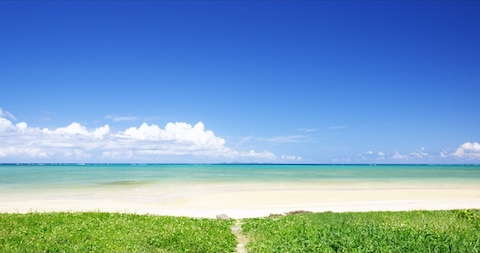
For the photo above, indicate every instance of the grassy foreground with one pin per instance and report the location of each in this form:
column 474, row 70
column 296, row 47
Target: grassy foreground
column 110, row 232
column 417, row 231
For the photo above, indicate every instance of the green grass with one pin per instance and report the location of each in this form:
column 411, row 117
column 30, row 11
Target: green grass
column 107, row 232
column 417, row 231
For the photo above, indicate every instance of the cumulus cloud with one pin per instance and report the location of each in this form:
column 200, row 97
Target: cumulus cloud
column 146, row 142
column 72, row 129
column 6, row 125
column 469, row 150
column 179, row 133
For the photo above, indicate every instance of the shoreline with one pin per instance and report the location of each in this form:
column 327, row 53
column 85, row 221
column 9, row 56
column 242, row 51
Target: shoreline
column 244, row 200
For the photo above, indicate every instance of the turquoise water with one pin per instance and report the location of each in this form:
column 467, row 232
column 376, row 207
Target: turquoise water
column 73, row 175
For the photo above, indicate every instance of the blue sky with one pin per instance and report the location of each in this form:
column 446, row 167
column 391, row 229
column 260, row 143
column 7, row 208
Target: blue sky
column 240, row 81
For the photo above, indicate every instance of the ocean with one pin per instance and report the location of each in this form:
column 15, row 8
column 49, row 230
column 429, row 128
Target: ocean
column 240, row 190
column 34, row 176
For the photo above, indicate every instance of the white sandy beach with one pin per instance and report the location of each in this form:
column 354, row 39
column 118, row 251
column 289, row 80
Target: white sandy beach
column 244, row 200
column 239, row 200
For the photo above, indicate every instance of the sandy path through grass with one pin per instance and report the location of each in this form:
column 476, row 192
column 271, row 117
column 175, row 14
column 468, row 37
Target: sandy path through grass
column 242, row 240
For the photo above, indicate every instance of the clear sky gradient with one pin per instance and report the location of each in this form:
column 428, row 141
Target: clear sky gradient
column 240, row 81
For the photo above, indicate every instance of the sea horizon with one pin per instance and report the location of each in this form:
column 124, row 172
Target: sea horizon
column 87, row 173
column 241, row 163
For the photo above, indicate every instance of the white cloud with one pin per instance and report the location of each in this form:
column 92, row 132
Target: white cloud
column 117, row 154
column 420, row 154
column 308, row 130
column 266, row 155
column 42, row 152
column 6, row 114
column 120, row 118
column 22, row 127
column 100, row 132
column 469, row 150
column 21, row 142
column 180, row 133
column 397, row 155
column 6, row 125
column 144, row 132
column 72, row 129
column 291, row 158
column 444, row 154
column 287, row 139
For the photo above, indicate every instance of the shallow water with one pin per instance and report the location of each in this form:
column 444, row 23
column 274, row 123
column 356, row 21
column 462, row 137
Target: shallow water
column 25, row 176
column 237, row 190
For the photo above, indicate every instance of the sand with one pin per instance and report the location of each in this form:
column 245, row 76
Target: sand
column 243, row 200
